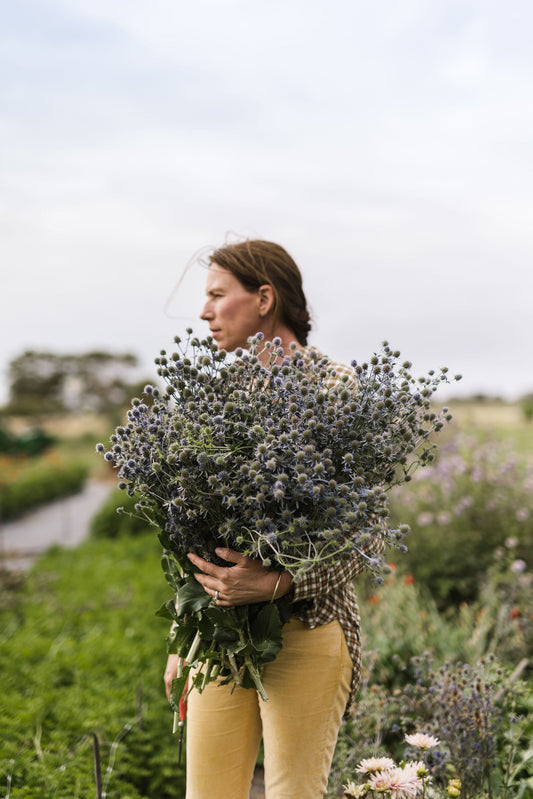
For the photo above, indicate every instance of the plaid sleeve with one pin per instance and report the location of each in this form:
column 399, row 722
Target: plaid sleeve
column 324, row 579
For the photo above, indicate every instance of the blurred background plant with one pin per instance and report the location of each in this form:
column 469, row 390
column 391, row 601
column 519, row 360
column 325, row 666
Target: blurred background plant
column 80, row 652
column 464, row 676
column 477, row 495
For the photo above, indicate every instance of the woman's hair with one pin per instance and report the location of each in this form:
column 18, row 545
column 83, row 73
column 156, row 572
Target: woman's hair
column 254, row 262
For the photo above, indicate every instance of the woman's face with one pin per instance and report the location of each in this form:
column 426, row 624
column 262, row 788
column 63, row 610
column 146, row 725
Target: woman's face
column 233, row 312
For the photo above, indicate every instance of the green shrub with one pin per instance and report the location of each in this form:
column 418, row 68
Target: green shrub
column 460, row 510
column 81, row 653
column 41, row 482
column 400, row 622
column 107, row 522
column 527, row 407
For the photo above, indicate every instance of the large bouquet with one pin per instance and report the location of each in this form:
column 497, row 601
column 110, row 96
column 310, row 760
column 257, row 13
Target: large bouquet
column 288, row 463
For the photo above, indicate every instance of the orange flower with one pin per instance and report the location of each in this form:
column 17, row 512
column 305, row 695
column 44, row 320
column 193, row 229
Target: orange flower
column 373, row 599
column 409, row 579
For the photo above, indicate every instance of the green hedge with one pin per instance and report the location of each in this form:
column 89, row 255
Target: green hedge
column 107, row 522
column 81, row 653
column 39, row 485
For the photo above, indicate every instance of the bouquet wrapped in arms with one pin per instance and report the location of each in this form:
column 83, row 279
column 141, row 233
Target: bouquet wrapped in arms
column 287, row 462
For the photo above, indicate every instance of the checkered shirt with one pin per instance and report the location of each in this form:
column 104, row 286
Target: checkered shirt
column 327, row 592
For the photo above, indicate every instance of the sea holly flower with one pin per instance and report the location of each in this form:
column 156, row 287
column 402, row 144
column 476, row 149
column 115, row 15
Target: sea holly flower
column 287, row 462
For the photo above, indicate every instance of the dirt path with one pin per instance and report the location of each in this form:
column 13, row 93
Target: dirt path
column 65, row 522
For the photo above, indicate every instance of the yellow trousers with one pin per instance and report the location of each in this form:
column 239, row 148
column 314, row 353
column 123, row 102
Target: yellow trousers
column 308, row 685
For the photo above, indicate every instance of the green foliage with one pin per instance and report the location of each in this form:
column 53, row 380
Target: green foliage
column 109, row 523
column 33, row 442
column 527, row 407
column 462, row 509
column 80, row 653
column 25, row 485
column 400, row 621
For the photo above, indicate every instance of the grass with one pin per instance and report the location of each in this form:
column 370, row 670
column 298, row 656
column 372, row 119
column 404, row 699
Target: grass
column 81, row 653
column 500, row 421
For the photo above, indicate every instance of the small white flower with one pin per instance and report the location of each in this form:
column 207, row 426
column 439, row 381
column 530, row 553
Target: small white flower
column 371, row 765
column 422, row 741
column 353, row 791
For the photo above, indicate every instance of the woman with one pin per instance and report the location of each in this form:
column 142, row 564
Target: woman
column 255, row 286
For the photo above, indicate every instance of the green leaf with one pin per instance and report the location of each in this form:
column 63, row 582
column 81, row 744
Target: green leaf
column 180, row 639
column 267, row 633
column 234, row 647
column 167, row 611
column 192, row 597
column 223, row 618
column 177, row 689
column 171, row 571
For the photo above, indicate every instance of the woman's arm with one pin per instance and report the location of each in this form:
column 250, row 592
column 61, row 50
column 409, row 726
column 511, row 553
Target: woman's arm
column 323, row 579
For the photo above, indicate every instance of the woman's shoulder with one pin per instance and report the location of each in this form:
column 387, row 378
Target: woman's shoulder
column 335, row 369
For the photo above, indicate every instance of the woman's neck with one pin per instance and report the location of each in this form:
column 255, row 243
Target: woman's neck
column 279, row 331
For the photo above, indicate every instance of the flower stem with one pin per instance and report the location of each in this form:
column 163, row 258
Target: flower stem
column 256, row 677
column 194, row 648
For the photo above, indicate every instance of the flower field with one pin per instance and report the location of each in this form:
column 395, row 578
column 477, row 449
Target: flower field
column 448, row 643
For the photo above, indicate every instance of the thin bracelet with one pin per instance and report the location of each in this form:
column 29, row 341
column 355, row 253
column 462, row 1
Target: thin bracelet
column 276, row 588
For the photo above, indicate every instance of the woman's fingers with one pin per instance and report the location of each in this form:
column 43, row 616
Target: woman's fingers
column 229, row 554
column 246, row 581
column 171, row 671
column 210, row 568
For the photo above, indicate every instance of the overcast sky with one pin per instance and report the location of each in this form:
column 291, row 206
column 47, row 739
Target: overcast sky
column 387, row 145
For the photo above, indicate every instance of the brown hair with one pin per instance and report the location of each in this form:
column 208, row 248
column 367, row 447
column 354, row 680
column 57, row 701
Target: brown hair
column 254, row 262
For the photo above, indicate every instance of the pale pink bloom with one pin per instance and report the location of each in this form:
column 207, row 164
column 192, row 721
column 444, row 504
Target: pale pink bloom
column 373, row 764
column 400, row 783
column 522, row 514
column 444, row 517
column 381, row 782
column 518, row 566
column 421, row 740
column 425, row 519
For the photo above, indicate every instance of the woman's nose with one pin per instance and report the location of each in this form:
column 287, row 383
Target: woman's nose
column 206, row 312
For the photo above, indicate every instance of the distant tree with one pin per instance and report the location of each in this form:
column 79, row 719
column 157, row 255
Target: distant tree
column 527, row 407
column 44, row 382
column 36, row 383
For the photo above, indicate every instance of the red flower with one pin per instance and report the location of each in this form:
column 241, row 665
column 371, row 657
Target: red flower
column 409, row 579
column 515, row 613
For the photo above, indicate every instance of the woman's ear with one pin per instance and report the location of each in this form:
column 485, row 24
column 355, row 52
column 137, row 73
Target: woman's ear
column 266, row 299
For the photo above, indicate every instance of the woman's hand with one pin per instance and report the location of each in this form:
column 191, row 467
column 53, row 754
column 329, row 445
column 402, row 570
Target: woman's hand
column 171, row 672
column 245, row 582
